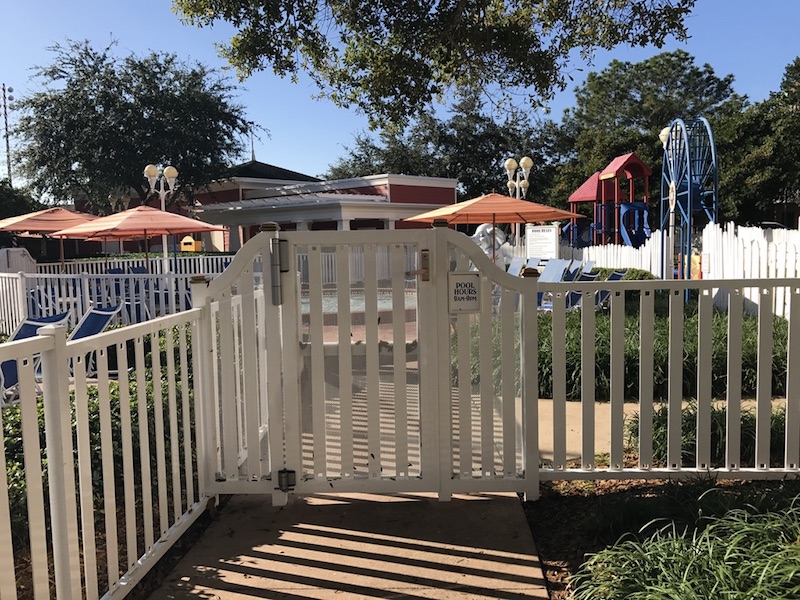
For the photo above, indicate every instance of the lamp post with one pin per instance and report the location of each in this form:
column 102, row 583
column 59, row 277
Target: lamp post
column 167, row 180
column 518, row 182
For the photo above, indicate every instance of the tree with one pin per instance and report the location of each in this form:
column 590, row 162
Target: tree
column 623, row 108
column 101, row 119
column 394, row 58
column 759, row 146
column 13, row 202
column 469, row 146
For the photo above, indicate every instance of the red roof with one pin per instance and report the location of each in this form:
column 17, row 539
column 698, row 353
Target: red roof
column 589, row 190
column 630, row 164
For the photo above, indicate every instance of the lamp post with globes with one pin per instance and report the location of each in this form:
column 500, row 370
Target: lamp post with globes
column 518, row 182
column 166, row 180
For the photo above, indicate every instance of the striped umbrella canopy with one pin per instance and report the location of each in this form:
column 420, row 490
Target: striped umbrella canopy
column 139, row 222
column 45, row 222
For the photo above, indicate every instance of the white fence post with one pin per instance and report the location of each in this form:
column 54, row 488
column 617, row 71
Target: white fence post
column 204, row 396
column 60, row 465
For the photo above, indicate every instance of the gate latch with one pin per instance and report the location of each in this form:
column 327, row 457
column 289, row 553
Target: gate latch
column 424, row 270
column 287, row 479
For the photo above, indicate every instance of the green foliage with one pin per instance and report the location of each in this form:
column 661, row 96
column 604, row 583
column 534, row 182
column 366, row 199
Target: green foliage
column 393, row 59
column 13, row 202
column 624, row 107
column 12, row 430
column 631, row 351
column 101, row 119
column 748, row 552
column 718, row 435
column 465, row 146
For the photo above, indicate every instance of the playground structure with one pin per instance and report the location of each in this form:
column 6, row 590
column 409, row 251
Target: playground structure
column 618, row 217
column 689, row 194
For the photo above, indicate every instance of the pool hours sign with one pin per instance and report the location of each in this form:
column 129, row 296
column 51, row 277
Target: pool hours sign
column 464, row 292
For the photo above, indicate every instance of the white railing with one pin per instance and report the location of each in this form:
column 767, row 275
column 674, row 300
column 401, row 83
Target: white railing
column 116, row 481
column 12, row 301
column 142, row 457
column 185, row 265
column 731, row 252
column 647, row 257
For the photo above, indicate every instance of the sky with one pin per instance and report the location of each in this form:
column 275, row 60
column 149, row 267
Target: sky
column 754, row 40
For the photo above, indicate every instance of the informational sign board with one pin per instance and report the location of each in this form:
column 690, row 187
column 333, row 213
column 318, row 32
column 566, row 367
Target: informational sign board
column 464, row 292
column 541, row 241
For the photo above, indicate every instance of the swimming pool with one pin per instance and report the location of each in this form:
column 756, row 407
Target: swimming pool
column 330, row 302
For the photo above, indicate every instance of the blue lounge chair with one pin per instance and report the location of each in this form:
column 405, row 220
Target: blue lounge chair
column 94, row 321
column 602, row 295
column 9, row 376
column 515, row 266
column 553, row 272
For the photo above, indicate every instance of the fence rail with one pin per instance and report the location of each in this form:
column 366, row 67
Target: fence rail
column 114, row 481
column 143, row 423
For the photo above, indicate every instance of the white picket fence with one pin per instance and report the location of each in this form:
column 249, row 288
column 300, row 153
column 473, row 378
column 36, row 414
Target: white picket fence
column 612, row 256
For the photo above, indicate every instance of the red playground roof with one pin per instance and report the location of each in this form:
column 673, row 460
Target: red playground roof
column 589, row 190
column 629, row 164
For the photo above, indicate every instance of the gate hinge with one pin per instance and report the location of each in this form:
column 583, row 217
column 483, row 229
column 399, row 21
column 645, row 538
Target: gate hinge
column 279, row 263
column 287, row 479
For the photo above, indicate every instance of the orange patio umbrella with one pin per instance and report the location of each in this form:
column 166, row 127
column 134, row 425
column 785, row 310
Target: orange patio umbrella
column 45, row 222
column 494, row 208
column 139, row 222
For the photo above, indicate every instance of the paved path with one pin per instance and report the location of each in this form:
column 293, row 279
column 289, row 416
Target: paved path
column 363, row 546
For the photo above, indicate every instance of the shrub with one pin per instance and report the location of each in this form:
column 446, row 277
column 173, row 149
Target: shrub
column 743, row 554
column 718, row 435
column 602, row 372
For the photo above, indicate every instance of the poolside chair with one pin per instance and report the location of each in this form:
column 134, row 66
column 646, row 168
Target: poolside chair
column 137, row 298
column 601, row 298
column 516, row 265
column 94, row 321
column 553, row 272
column 9, row 376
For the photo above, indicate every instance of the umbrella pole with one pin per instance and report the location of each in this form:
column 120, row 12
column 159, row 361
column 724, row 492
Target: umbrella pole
column 61, row 252
column 146, row 251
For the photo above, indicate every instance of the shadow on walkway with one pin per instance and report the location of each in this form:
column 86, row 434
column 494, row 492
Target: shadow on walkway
column 363, row 546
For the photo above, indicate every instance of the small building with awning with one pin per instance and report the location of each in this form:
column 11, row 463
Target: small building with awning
column 246, row 200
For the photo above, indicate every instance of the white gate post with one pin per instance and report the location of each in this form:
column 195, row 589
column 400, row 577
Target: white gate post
column 22, row 294
column 60, row 464
column 203, row 392
column 276, row 409
column 435, row 351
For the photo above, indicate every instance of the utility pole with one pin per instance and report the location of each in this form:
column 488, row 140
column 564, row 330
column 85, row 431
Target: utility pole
column 6, row 100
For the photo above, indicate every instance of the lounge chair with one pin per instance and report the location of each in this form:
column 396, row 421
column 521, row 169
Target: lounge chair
column 94, row 321
column 515, row 266
column 601, row 297
column 9, row 375
column 553, row 272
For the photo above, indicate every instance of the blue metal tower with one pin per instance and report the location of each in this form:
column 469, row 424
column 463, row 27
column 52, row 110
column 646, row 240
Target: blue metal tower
column 688, row 191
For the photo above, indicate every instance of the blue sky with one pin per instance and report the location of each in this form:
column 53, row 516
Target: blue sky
column 753, row 40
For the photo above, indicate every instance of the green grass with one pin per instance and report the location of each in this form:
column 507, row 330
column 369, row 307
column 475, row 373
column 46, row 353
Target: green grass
column 738, row 546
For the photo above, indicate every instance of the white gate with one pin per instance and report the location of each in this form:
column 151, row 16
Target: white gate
column 369, row 384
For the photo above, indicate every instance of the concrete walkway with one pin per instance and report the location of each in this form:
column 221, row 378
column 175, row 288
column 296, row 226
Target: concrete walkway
column 375, row 546
column 363, row 546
